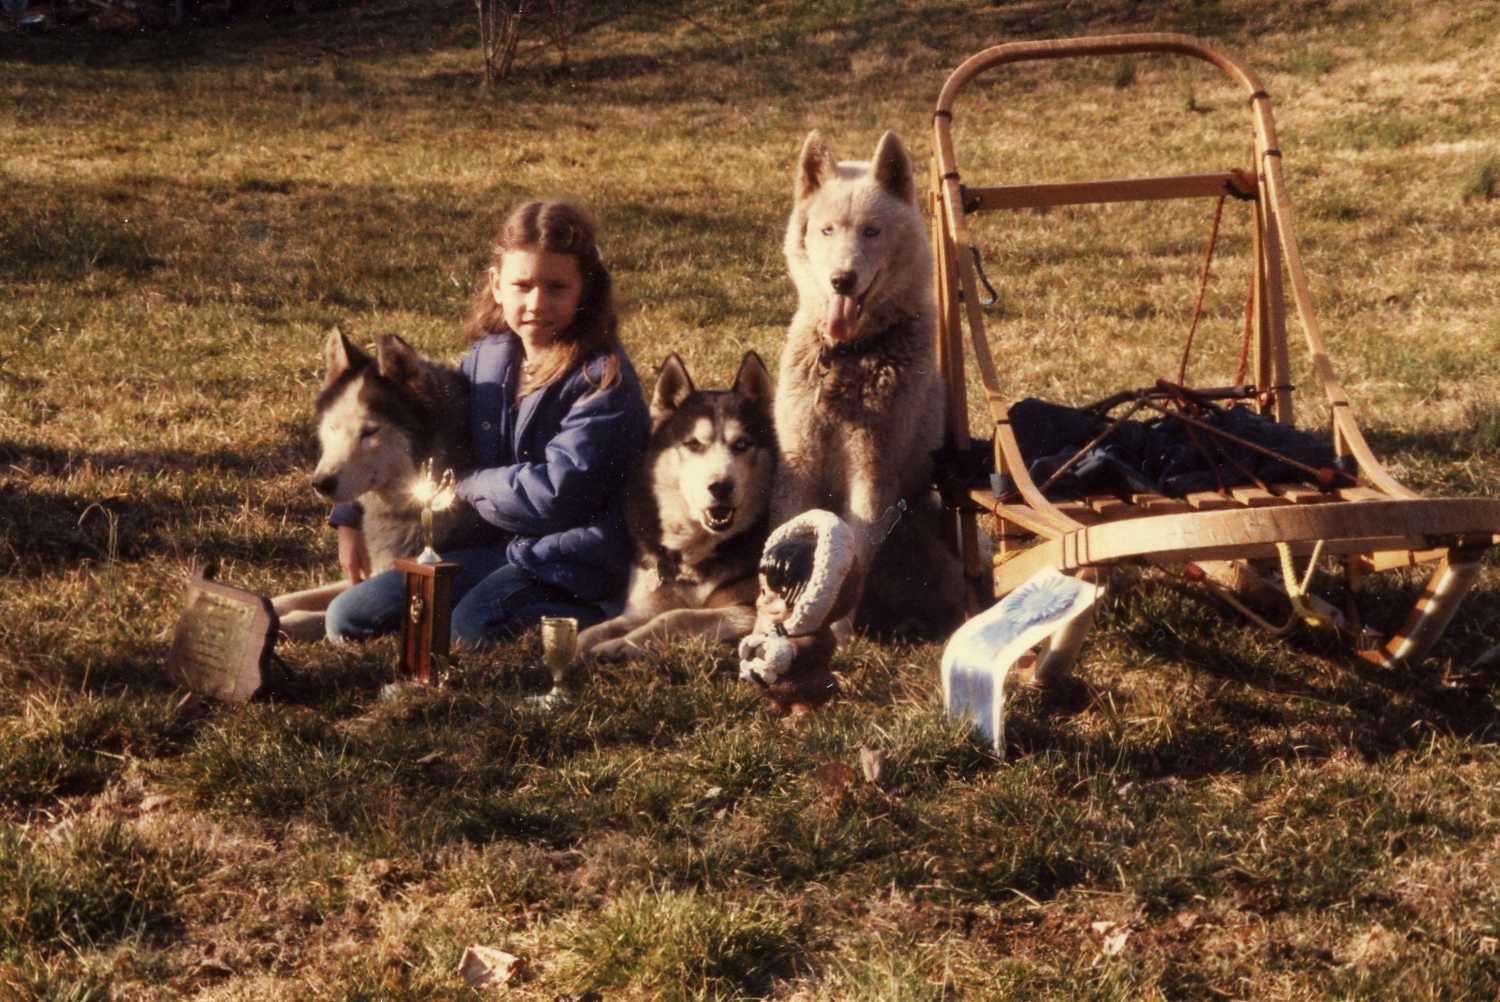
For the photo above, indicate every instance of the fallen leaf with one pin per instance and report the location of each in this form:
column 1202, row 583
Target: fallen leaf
column 872, row 763
column 1113, row 936
column 487, row 967
column 1186, row 920
column 833, row 778
column 430, row 758
column 155, row 802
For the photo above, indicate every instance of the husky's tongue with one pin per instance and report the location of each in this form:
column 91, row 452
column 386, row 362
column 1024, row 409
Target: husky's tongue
column 843, row 317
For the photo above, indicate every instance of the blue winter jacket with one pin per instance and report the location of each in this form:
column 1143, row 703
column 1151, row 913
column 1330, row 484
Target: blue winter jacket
column 551, row 471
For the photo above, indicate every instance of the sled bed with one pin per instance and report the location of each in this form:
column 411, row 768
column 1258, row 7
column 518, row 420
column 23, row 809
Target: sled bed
column 1228, row 539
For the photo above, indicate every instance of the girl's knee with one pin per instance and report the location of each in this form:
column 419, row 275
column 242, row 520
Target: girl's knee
column 478, row 624
column 369, row 608
column 339, row 622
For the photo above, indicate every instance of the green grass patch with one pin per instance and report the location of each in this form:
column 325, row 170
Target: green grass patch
column 1483, row 180
column 87, row 886
column 680, row 945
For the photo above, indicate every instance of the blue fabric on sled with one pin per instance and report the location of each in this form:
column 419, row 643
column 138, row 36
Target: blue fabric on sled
column 1157, row 456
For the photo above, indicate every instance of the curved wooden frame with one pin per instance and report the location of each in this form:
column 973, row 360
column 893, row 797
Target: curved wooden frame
column 1376, row 527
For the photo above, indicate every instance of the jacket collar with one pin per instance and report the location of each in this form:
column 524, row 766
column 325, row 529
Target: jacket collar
column 529, row 406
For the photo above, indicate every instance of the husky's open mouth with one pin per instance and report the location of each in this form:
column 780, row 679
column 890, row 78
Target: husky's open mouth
column 844, row 313
column 718, row 518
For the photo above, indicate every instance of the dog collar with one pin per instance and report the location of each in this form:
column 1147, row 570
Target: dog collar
column 827, row 353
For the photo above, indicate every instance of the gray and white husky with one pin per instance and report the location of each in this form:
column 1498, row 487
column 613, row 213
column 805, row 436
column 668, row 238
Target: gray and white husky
column 380, row 418
column 859, row 399
column 698, row 510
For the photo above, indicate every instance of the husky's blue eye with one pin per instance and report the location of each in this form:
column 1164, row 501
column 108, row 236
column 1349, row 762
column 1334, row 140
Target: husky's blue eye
column 740, row 445
column 368, row 430
column 871, row 231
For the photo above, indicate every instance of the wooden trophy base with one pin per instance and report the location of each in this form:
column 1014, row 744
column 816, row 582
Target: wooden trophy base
column 425, row 627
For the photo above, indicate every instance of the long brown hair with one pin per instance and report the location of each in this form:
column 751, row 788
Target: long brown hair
column 561, row 229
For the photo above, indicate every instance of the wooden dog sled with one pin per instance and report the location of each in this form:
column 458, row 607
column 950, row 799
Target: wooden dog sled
column 1231, row 539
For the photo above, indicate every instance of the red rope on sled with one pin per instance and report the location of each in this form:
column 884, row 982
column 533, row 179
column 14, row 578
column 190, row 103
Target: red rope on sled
column 1208, row 257
column 1239, row 372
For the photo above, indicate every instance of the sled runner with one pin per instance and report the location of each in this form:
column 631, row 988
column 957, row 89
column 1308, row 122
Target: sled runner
column 1244, row 542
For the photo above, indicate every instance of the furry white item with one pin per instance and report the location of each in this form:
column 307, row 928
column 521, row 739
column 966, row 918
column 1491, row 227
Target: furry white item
column 835, row 549
column 767, row 654
column 765, row 657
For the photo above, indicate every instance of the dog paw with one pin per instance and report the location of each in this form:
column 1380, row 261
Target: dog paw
column 614, row 651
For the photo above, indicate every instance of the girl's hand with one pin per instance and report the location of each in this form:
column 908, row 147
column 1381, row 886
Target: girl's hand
column 354, row 557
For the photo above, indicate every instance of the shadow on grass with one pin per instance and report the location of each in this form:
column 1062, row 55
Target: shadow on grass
column 805, row 50
column 49, row 530
column 1305, row 698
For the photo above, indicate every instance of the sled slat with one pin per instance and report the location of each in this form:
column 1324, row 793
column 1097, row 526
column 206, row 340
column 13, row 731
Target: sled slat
column 1137, row 189
column 1210, row 501
column 1254, row 497
column 1110, row 506
column 1302, row 494
column 1157, row 504
column 1363, row 494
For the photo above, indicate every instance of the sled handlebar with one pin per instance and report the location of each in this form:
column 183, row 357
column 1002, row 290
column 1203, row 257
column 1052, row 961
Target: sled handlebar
column 1104, row 45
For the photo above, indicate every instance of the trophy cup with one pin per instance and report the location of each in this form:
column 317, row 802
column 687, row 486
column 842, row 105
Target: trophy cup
column 559, row 646
column 429, row 587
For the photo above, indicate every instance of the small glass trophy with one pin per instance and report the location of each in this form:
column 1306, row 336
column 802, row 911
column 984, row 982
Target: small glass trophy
column 559, row 648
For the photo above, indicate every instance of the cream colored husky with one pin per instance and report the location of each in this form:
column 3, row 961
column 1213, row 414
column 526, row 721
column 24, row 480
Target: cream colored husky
column 859, row 400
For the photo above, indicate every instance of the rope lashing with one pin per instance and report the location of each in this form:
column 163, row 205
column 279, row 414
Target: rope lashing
column 1296, row 590
column 991, row 297
column 1193, row 573
column 1243, row 367
column 1208, row 257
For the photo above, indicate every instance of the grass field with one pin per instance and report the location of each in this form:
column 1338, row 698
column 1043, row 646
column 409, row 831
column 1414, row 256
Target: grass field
column 184, row 216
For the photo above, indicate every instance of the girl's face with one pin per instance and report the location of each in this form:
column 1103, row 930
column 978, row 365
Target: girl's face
column 538, row 293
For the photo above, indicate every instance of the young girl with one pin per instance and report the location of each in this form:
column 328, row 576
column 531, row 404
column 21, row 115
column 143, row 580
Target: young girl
column 557, row 424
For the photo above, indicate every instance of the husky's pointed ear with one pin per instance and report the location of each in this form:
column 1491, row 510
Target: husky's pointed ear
column 398, row 361
column 339, row 356
column 753, row 381
column 673, row 386
column 892, row 168
column 814, row 166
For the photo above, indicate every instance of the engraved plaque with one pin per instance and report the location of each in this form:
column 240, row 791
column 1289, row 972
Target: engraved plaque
column 222, row 640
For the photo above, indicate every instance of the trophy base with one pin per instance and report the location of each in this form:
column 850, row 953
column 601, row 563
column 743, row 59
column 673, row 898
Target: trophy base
column 555, row 699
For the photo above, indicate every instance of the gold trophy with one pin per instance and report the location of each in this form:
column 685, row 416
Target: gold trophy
column 559, row 647
column 433, row 495
column 428, row 587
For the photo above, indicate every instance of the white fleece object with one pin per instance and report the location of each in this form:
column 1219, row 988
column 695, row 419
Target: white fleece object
column 834, row 552
column 766, row 657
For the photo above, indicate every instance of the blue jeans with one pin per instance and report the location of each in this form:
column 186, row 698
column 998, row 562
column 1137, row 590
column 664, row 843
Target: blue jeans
column 493, row 601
